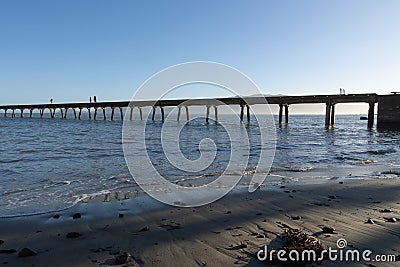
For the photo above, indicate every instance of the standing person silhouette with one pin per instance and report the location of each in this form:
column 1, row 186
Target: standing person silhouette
column 51, row 101
column 95, row 99
column 90, row 99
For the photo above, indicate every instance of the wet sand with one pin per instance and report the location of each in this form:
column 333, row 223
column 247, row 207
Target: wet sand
column 228, row 232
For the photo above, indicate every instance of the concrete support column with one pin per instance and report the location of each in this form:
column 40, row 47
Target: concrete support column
column 286, row 114
column 13, row 113
column 121, row 113
column 112, row 113
column 5, row 113
column 208, row 114
column 280, row 113
column 95, row 114
column 66, row 112
column 162, row 114
column 104, row 114
column 216, row 114
column 187, row 113
column 30, row 113
column 90, row 114
column 332, row 114
column 80, row 113
column 371, row 112
column 248, row 113
column 153, row 116
column 178, row 117
column 328, row 114
column 131, row 114
column 241, row 113
column 141, row 113
column 22, row 113
column 74, row 113
column 41, row 113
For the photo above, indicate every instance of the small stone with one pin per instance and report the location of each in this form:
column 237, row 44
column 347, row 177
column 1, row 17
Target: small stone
column 392, row 220
column 120, row 215
column 126, row 257
column 332, row 197
column 296, row 218
column 370, row 221
column 228, row 212
column 328, row 229
column 340, row 182
column 73, row 235
column 76, row 216
column 144, row 229
column 56, row 216
column 259, row 214
column 26, row 252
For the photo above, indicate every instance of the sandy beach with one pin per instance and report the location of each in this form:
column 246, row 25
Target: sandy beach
column 228, row 232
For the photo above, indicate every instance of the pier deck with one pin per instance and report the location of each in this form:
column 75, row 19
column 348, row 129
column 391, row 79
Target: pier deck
column 283, row 101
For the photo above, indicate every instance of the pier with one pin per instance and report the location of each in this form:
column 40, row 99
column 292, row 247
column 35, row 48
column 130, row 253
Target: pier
column 284, row 102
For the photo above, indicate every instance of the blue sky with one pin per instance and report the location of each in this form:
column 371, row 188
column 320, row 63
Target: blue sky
column 70, row 50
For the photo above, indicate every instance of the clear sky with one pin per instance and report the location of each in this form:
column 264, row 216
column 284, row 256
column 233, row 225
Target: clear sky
column 69, row 50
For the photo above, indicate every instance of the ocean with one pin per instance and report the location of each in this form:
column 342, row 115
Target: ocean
column 52, row 164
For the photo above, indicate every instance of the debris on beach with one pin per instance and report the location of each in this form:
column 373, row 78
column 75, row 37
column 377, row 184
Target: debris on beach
column 386, row 211
column 26, row 252
column 370, row 221
column 392, row 220
column 297, row 240
column 124, row 258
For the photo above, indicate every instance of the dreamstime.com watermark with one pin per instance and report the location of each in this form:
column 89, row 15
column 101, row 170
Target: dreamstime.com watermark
column 138, row 152
column 339, row 254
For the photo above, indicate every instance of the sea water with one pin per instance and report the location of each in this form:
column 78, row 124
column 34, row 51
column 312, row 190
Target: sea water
column 51, row 164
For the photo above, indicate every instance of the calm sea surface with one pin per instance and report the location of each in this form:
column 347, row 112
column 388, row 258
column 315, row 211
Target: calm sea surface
column 51, row 164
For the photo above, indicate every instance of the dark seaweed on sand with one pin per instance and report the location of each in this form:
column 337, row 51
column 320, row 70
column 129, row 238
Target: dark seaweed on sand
column 295, row 239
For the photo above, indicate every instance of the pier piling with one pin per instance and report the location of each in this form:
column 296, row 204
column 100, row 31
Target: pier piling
column 121, row 112
column 162, row 114
column 131, row 114
column 328, row 114
column 153, row 116
column 371, row 112
column 112, row 113
column 104, row 113
column 241, row 113
column 248, row 113
column 332, row 122
column 187, row 113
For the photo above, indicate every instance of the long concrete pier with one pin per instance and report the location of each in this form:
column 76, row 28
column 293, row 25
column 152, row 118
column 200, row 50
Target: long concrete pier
column 284, row 103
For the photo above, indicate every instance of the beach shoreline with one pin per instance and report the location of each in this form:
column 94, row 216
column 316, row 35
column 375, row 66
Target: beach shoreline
column 228, row 232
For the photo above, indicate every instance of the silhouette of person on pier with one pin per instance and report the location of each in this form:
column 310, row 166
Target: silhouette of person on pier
column 95, row 99
column 90, row 99
column 51, row 101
